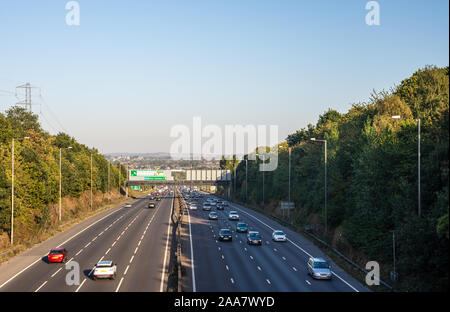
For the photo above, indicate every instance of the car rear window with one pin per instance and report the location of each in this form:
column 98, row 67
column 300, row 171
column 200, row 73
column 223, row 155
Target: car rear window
column 320, row 265
column 55, row 252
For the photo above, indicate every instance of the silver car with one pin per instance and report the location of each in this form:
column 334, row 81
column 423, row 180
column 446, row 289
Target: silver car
column 233, row 215
column 213, row 215
column 278, row 236
column 318, row 268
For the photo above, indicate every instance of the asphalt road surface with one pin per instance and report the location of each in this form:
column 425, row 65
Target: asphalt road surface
column 274, row 266
column 135, row 238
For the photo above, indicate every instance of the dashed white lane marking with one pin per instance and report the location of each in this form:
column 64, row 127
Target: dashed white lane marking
column 284, row 258
column 259, row 268
column 268, row 281
column 223, row 257
column 107, row 251
column 78, row 252
column 294, row 268
column 56, row 272
column 126, row 270
column 226, row 266
column 136, row 249
column 308, row 282
column 232, row 280
column 275, row 249
column 251, row 257
column 120, row 283
column 40, row 286
column 344, row 281
column 87, row 244
column 80, row 285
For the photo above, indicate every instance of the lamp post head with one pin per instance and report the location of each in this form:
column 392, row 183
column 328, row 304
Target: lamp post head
column 313, row 139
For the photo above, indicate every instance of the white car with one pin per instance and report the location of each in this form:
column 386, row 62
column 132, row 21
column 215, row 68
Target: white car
column 105, row 269
column 128, row 205
column 233, row 215
column 278, row 236
column 193, row 207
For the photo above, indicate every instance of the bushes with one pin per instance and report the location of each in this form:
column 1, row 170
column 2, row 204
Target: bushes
column 372, row 177
column 37, row 171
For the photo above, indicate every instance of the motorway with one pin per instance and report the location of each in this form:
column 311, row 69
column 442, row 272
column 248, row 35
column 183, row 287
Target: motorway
column 274, row 266
column 135, row 238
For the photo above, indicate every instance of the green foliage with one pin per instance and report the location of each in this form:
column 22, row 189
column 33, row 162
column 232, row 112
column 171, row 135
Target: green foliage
column 37, row 170
column 372, row 178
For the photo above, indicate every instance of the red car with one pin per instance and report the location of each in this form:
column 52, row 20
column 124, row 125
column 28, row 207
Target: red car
column 57, row 255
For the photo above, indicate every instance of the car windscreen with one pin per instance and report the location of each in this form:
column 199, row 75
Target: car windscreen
column 279, row 233
column 225, row 231
column 321, row 265
column 255, row 236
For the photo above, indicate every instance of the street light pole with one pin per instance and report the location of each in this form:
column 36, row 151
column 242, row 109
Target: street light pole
column 12, row 187
column 326, row 192
column 60, row 182
column 91, row 181
column 12, row 195
column 289, row 188
column 246, row 180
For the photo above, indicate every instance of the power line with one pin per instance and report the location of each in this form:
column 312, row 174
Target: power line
column 53, row 115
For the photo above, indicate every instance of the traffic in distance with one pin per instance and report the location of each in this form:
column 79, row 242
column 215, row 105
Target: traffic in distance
column 316, row 267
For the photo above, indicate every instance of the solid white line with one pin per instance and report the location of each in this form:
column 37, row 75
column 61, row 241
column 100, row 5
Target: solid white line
column 120, row 283
column 192, row 254
column 167, row 245
column 40, row 286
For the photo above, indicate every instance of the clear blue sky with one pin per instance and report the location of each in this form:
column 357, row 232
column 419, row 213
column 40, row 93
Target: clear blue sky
column 133, row 69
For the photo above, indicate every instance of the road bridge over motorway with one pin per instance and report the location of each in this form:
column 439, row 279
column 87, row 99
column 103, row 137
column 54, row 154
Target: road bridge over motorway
column 207, row 177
